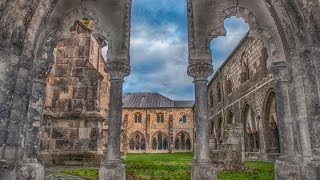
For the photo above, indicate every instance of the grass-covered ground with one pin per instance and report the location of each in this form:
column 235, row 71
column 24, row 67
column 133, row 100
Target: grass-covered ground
column 159, row 166
column 176, row 167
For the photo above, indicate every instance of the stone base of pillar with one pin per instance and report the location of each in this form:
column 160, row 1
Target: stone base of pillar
column 203, row 171
column 286, row 168
column 312, row 171
column 112, row 170
column 30, row 171
column 7, row 171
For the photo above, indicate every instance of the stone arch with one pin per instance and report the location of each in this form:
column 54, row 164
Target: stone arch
column 271, row 123
column 257, row 31
column 183, row 141
column 137, row 141
column 251, row 131
column 160, row 141
column 42, row 64
column 46, row 44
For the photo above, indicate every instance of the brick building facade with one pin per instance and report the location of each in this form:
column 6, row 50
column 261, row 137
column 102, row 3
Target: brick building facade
column 242, row 107
column 153, row 123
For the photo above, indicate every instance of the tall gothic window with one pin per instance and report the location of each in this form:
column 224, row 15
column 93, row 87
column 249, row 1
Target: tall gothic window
column 183, row 118
column 137, row 142
column 271, row 124
column 245, row 74
column 211, row 99
column 219, row 92
column 160, row 118
column 211, row 127
column 228, row 84
column 219, row 130
column 252, row 143
column 137, row 117
column 160, row 141
column 183, row 141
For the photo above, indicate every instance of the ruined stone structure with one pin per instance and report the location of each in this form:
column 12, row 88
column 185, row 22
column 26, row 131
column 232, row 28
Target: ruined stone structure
column 242, row 108
column 76, row 101
column 31, row 29
column 289, row 31
column 153, row 123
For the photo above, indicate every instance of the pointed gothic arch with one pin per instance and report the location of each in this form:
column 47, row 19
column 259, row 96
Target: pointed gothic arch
column 137, row 142
column 183, row 141
column 160, row 141
column 271, row 123
column 251, row 131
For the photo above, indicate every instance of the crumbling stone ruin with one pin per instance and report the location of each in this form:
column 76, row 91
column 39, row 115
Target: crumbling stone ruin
column 76, row 101
column 30, row 31
column 242, row 108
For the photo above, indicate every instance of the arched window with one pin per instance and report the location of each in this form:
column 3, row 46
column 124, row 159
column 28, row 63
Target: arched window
column 211, row 99
column 211, row 127
column 245, row 74
column 219, row 130
column 252, row 143
column 160, row 141
column 137, row 142
column 219, row 92
column 160, row 118
column 271, row 125
column 137, row 117
column 183, row 141
column 183, row 118
column 228, row 84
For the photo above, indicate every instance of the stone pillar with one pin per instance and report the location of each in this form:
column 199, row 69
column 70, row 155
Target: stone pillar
column 112, row 167
column 30, row 167
column 202, row 167
column 286, row 166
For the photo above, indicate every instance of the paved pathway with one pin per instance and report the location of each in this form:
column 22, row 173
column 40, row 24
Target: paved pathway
column 62, row 177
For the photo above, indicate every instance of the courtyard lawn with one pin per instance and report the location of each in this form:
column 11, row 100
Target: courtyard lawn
column 176, row 166
column 159, row 166
column 255, row 170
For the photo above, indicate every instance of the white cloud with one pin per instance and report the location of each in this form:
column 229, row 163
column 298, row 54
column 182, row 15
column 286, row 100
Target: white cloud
column 165, row 48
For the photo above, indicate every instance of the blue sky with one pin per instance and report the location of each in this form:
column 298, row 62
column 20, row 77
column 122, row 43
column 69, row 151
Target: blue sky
column 159, row 48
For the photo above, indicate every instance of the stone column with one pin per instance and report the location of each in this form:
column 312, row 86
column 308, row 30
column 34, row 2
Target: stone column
column 202, row 167
column 112, row 167
column 286, row 166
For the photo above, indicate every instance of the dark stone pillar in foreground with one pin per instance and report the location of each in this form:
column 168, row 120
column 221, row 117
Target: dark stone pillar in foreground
column 202, row 167
column 286, row 166
column 112, row 167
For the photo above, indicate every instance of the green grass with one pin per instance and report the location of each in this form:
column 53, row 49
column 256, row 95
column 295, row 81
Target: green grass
column 255, row 170
column 89, row 173
column 176, row 167
column 159, row 166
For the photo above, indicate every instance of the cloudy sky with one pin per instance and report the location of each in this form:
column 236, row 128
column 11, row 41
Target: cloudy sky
column 159, row 48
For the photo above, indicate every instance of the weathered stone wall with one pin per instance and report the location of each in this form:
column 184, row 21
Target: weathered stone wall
column 74, row 112
column 243, row 82
column 149, row 127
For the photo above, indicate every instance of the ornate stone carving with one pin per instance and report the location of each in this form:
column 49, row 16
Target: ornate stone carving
column 126, row 25
column 200, row 71
column 280, row 71
column 190, row 24
column 117, row 69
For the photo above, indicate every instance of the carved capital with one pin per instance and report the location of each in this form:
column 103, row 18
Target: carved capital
column 117, row 69
column 279, row 71
column 200, row 71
